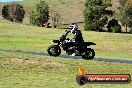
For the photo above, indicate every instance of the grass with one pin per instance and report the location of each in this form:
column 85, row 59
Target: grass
column 111, row 44
column 29, row 38
column 18, row 70
column 33, row 71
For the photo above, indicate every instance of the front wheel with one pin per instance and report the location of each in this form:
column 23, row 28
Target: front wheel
column 54, row 50
column 88, row 54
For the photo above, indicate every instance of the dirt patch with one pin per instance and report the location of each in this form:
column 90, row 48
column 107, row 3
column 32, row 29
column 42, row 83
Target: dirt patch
column 20, row 61
column 16, row 60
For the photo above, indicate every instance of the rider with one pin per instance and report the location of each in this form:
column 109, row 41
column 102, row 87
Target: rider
column 77, row 35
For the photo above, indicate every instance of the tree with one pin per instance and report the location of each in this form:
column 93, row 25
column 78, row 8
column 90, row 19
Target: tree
column 39, row 14
column 123, row 15
column 13, row 12
column 55, row 18
column 129, row 16
column 126, row 13
column 95, row 15
column 122, row 2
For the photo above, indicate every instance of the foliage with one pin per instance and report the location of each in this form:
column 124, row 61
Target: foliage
column 13, row 12
column 5, row 12
column 55, row 18
column 95, row 15
column 115, row 29
column 122, row 2
column 40, row 14
column 129, row 15
column 131, row 30
column 126, row 13
column 113, row 26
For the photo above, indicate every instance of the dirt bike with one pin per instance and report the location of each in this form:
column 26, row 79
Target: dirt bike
column 71, row 47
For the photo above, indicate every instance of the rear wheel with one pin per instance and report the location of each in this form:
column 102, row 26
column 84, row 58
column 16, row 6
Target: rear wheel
column 88, row 54
column 54, row 50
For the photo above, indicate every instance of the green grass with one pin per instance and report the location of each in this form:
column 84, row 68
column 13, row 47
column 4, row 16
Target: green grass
column 18, row 70
column 29, row 38
column 33, row 71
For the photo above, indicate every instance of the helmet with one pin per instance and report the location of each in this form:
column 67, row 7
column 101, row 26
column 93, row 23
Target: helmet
column 73, row 27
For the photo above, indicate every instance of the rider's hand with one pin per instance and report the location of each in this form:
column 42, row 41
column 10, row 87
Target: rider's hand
column 72, row 40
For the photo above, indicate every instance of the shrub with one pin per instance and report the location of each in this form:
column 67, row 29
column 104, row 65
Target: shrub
column 114, row 26
column 13, row 12
column 40, row 14
column 115, row 29
column 5, row 12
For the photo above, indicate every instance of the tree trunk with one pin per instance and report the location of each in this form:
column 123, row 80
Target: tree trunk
column 126, row 27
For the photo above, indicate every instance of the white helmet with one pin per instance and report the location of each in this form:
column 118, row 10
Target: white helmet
column 74, row 27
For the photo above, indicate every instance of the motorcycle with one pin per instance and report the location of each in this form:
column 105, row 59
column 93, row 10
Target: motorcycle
column 71, row 47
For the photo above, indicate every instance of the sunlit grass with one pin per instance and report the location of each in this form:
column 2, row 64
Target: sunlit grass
column 22, row 70
column 28, row 38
